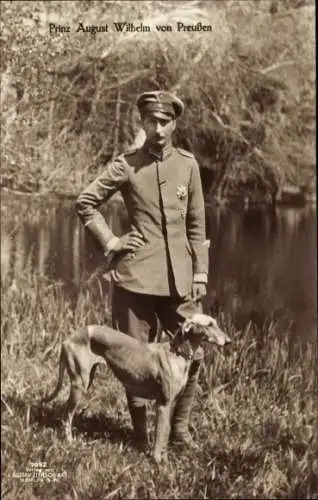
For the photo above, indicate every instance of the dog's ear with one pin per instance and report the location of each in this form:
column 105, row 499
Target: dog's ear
column 186, row 326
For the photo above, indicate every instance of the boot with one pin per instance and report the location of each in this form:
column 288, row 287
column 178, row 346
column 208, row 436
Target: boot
column 180, row 433
column 138, row 413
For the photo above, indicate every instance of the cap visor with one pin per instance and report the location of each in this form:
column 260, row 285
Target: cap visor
column 160, row 114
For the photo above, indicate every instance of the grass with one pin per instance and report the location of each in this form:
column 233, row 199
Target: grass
column 253, row 418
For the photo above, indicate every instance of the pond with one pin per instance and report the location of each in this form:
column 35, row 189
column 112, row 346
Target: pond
column 262, row 263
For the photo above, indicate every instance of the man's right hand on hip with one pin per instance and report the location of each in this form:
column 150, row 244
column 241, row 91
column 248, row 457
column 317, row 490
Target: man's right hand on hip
column 129, row 241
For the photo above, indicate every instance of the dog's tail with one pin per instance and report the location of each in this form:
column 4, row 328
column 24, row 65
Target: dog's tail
column 62, row 367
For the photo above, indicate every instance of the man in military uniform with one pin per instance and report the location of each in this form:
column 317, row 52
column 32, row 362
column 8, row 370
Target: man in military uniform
column 162, row 263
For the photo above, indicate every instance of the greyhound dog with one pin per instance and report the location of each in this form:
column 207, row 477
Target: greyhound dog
column 156, row 371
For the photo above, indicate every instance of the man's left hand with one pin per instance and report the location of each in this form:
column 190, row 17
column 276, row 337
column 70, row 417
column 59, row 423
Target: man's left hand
column 198, row 291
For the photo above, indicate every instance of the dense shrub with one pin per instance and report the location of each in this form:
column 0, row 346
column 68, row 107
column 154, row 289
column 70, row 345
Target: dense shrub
column 68, row 98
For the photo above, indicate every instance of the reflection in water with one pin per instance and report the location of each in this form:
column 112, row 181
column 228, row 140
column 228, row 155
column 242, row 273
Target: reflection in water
column 262, row 265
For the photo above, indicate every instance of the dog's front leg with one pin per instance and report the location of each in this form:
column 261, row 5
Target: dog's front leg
column 162, row 432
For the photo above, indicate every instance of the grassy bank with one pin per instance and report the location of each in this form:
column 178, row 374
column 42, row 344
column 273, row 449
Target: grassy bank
column 253, row 419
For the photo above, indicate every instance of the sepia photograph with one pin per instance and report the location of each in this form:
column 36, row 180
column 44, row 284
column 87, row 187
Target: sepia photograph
column 158, row 249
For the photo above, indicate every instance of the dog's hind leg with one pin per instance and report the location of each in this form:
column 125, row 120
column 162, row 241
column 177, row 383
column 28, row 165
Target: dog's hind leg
column 76, row 395
column 91, row 376
column 81, row 377
column 62, row 366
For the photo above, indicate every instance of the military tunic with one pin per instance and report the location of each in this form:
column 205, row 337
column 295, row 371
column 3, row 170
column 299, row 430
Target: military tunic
column 164, row 200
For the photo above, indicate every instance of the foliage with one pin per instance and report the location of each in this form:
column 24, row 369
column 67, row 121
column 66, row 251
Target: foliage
column 253, row 419
column 68, row 98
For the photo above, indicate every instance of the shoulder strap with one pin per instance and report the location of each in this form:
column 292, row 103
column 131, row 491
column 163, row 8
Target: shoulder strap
column 184, row 152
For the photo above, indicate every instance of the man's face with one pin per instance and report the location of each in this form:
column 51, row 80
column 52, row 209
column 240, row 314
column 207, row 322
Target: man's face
column 158, row 129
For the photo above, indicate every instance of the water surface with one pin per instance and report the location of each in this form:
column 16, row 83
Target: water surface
column 262, row 263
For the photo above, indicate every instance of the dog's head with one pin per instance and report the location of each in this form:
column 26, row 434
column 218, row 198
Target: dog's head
column 203, row 328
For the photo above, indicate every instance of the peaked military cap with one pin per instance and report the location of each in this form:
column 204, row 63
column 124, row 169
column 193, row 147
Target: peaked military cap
column 159, row 101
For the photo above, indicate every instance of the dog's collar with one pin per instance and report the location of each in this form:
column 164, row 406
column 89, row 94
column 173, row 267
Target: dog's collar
column 182, row 347
column 185, row 350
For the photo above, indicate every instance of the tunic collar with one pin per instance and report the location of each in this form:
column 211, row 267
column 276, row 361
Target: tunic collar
column 159, row 154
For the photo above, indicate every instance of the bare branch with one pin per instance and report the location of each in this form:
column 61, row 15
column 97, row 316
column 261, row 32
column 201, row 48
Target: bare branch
column 276, row 66
column 117, row 125
column 187, row 75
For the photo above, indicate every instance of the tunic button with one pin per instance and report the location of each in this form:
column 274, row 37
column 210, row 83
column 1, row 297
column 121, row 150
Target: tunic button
column 183, row 213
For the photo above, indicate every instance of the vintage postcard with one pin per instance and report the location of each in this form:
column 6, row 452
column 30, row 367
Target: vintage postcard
column 158, row 221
